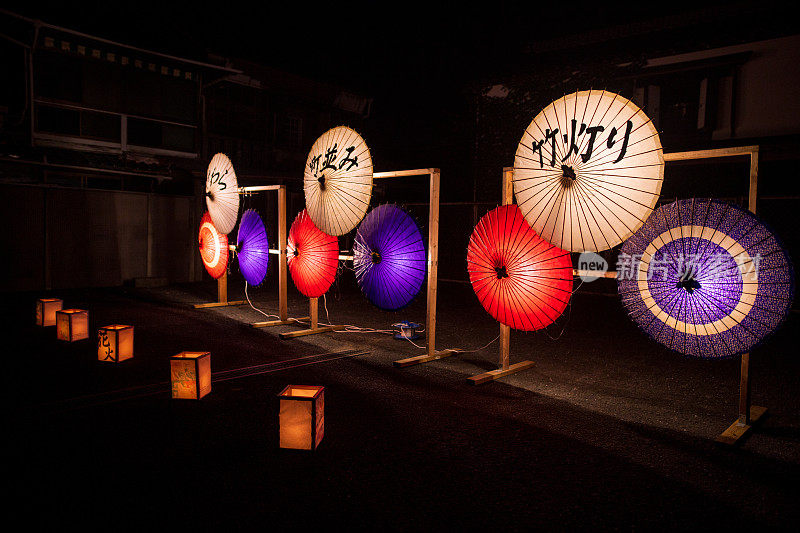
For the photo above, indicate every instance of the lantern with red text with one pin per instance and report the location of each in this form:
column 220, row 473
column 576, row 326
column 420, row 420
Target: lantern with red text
column 72, row 324
column 115, row 343
column 46, row 311
column 302, row 416
column 190, row 373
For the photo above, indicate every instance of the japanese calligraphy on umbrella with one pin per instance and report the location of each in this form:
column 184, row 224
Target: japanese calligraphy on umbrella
column 705, row 278
column 222, row 193
column 588, row 171
column 338, row 180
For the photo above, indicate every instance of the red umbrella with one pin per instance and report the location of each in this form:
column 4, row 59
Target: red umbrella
column 313, row 256
column 213, row 247
column 520, row 279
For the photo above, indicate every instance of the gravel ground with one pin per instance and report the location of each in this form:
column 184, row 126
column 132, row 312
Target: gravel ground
column 606, row 431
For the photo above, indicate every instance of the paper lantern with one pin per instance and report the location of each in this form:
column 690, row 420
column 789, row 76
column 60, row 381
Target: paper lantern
column 115, row 343
column 588, row 171
column 252, row 248
column 213, row 247
column 389, row 257
column 313, row 256
column 302, row 417
column 222, row 193
column 522, row 280
column 705, row 278
column 190, row 373
column 338, row 180
column 72, row 324
column 46, row 311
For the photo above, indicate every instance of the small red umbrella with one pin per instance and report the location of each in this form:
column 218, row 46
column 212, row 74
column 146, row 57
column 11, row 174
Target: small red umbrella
column 213, row 247
column 520, row 279
column 313, row 256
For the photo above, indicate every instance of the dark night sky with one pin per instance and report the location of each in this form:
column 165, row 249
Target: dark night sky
column 368, row 46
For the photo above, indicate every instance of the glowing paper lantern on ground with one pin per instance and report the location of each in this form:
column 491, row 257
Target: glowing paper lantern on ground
column 301, row 417
column 588, row 171
column 252, row 248
column 46, row 311
column 705, row 278
column 338, row 180
column 190, row 373
column 389, row 257
column 313, row 256
column 115, row 343
column 213, row 247
column 72, row 324
column 522, row 280
column 222, row 193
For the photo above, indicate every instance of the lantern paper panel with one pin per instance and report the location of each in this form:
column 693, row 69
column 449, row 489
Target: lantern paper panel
column 190, row 373
column 115, row 343
column 46, row 311
column 72, row 324
column 302, row 417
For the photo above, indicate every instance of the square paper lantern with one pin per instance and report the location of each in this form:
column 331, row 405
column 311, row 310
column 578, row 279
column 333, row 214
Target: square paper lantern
column 191, row 375
column 302, row 416
column 46, row 311
column 115, row 343
column 72, row 324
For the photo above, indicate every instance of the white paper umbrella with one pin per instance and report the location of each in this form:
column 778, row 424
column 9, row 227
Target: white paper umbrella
column 338, row 180
column 588, row 171
column 222, row 193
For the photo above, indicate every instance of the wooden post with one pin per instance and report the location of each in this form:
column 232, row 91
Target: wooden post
column 313, row 312
column 507, row 198
column 433, row 268
column 283, row 295
column 222, row 288
column 433, row 261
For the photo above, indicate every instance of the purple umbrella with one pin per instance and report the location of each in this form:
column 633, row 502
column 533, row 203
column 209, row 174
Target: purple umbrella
column 252, row 248
column 705, row 278
column 389, row 257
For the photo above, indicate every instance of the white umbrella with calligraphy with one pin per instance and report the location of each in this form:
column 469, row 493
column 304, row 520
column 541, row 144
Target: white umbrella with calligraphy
column 588, row 171
column 338, row 180
column 222, row 193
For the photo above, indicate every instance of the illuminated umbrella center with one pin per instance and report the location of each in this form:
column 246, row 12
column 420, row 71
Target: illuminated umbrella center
column 313, row 256
column 389, row 257
column 213, row 247
column 520, row 279
column 253, row 248
column 705, row 278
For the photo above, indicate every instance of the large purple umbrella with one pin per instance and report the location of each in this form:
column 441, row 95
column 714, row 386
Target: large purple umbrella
column 252, row 248
column 705, row 278
column 389, row 257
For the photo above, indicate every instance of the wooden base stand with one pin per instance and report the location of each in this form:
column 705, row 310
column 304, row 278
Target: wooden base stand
column 492, row 375
column 419, row 359
column 271, row 323
column 740, row 428
column 222, row 295
column 313, row 307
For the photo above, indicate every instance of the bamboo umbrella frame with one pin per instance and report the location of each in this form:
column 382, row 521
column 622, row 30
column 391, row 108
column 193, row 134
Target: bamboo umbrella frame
column 748, row 414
